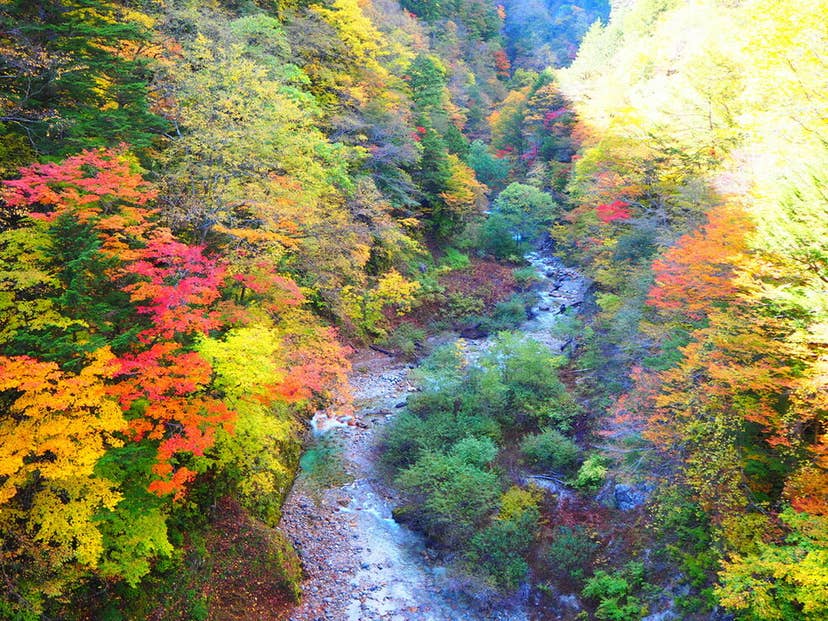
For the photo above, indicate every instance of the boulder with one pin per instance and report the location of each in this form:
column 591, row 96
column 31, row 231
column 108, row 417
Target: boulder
column 628, row 497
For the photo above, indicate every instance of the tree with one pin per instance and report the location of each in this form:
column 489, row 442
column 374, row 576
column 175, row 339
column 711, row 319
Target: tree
column 77, row 76
column 490, row 170
column 57, row 428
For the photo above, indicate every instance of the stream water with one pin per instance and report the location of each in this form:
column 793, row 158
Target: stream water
column 361, row 564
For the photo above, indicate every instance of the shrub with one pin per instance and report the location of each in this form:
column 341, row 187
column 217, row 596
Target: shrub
column 494, row 553
column 401, row 441
column 569, row 555
column 405, row 339
column 449, row 499
column 525, row 277
column 592, row 473
column 410, row 435
column 498, row 551
column 459, row 305
column 549, row 450
column 614, row 593
column 529, row 372
column 453, row 259
column 506, row 315
column 478, row 452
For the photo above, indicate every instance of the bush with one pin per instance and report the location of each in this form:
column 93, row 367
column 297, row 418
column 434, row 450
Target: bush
column 443, row 446
column 550, row 450
column 569, row 556
column 498, row 552
column 614, row 593
column 592, row 473
column 478, row 452
column 406, row 339
column 449, row 499
column 401, row 442
column 459, row 305
column 494, row 553
column 506, row 315
column 526, row 277
column 528, row 370
column 453, row 259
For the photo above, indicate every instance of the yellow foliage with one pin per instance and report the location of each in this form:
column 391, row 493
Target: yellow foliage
column 60, row 426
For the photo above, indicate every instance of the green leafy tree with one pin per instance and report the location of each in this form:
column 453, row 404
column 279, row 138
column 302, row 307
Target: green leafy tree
column 76, row 76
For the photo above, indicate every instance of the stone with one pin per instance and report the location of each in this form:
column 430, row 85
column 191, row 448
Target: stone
column 664, row 615
column 569, row 602
column 628, row 497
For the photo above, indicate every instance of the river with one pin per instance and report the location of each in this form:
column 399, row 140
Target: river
column 360, row 564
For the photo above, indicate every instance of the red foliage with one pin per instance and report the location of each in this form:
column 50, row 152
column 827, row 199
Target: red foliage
column 98, row 181
column 553, row 115
column 505, row 152
column 530, row 155
column 177, row 286
column 502, row 64
column 614, row 211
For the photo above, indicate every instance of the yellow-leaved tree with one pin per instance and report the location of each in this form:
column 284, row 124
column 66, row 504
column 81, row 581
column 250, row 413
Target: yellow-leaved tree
column 56, row 426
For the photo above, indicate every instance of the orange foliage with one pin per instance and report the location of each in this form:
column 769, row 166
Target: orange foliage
column 696, row 274
column 59, row 424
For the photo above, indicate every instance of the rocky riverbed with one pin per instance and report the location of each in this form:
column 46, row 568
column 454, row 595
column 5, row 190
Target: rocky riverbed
column 360, row 564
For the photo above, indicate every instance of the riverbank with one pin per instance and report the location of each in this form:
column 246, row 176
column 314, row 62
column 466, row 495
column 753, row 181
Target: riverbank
column 360, row 564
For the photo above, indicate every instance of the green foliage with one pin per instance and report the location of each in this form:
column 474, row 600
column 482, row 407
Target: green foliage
column 525, row 277
column 491, row 170
column 519, row 215
column 780, row 582
column 479, row 18
column 367, row 306
column 453, row 259
column 526, row 208
column 550, row 450
column 496, row 238
column 427, row 77
column 506, row 315
column 477, row 452
column 569, row 555
column 441, row 450
column 451, row 497
column 461, row 306
column 77, row 76
column 615, row 593
column 498, row 552
column 525, row 373
column 592, row 473
column 407, row 339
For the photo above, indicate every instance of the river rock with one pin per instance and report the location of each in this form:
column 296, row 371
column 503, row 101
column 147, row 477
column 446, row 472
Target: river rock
column 474, row 332
column 664, row 615
column 628, row 497
column 569, row 602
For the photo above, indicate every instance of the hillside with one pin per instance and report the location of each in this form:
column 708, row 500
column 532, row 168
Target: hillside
column 366, row 309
